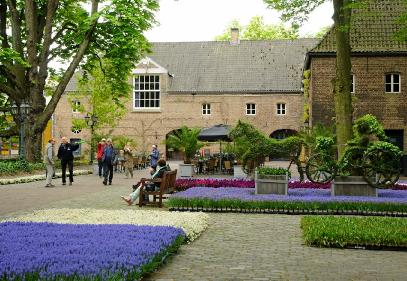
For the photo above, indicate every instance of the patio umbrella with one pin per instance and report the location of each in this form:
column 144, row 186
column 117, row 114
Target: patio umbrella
column 216, row 133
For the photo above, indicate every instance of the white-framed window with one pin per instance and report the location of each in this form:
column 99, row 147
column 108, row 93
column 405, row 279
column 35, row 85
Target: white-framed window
column 392, row 83
column 352, row 83
column 147, row 91
column 206, row 109
column 250, row 109
column 281, row 109
column 76, row 106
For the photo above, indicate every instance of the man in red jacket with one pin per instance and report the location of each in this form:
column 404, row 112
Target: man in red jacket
column 101, row 146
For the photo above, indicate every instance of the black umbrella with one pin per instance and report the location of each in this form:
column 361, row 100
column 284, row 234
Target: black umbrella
column 216, row 133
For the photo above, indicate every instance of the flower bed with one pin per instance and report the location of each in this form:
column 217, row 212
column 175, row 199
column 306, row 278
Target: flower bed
column 183, row 184
column 40, row 177
column 193, row 224
column 297, row 199
column 48, row 251
column 359, row 232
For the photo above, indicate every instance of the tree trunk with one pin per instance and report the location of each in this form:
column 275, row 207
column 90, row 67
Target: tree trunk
column 343, row 99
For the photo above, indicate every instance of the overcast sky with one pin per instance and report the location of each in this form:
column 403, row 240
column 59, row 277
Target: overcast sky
column 202, row 20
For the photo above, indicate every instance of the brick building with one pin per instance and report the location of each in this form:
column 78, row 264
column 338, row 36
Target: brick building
column 201, row 84
column 379, row 70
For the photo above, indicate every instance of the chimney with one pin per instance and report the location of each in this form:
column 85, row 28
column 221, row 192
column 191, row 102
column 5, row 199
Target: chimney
column 234, row 36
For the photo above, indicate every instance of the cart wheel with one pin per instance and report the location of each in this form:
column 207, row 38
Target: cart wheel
column 381, row 169
column 320, row 168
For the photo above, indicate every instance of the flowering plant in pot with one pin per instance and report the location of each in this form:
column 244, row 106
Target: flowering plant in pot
column 185, row 140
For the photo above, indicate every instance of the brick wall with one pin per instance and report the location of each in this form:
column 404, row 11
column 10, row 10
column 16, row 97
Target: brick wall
column 148, row 127
column 369, row 97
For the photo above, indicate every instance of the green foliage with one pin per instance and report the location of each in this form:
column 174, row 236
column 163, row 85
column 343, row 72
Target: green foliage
column 271, row 171
column 324, row 144
column 294, row 10
column 80, row 34
column 310, row 138
column 368, row 125
column 338, row 206
column 344, row 231
column 387, row 147
column 258, row 30
column 185, row 140
column 252, row 145
column 99, row 94
column 11, row 167
column 120, row 141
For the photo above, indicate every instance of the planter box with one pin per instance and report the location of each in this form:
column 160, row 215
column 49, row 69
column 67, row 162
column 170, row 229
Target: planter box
column 352, row 186
column 238, row 172
column 271, row 184
column 186, row 170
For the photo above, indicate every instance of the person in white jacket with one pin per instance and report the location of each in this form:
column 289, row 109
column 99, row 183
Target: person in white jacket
column 49, row 156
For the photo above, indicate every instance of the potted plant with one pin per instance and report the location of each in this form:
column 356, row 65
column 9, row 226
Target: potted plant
column 269, row 180
column 185, row 140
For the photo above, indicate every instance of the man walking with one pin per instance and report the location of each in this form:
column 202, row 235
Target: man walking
column 65, row 154
column 49, row 155
column 108, row 159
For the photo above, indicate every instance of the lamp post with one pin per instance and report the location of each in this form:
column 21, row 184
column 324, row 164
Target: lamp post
column 91, row 121
column 21, row 111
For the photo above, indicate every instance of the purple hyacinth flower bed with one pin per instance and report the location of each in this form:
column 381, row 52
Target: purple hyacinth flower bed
column 389, row 201
column 49, row 251
column 183, row 184
column 298, row 194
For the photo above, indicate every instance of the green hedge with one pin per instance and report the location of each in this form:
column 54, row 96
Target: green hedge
column 344, row 231
column 12, row 166
column 330, row 207
column 8, row 167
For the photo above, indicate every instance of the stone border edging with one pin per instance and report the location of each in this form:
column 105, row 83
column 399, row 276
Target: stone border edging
column 289, row 211
column 28, row 179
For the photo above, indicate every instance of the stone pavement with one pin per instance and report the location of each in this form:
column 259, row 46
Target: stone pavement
column 234, row 247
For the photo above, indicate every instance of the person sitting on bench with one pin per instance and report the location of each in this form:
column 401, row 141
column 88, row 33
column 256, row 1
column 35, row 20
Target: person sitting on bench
column 161, row 168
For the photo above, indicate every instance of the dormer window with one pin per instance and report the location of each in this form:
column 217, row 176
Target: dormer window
column 147, row 92
column 392, row 84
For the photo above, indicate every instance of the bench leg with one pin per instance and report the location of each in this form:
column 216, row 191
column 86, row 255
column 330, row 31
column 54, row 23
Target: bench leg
column 140, row 198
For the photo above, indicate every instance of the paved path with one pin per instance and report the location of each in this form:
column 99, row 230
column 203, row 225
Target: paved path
column 234, row 247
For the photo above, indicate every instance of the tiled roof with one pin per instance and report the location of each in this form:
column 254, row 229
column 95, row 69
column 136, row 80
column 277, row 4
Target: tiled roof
column 250, row 67
column 372, row 29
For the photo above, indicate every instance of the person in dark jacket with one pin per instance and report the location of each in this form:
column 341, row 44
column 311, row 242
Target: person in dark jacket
column 65, row 154
column 108, row 159
column 154, row 156
column 161, row 168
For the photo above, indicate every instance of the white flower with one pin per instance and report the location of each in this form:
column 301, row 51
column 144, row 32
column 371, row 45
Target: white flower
column 40, row 177
column 193, row 224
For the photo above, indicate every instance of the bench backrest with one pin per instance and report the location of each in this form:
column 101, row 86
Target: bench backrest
column 168, row 181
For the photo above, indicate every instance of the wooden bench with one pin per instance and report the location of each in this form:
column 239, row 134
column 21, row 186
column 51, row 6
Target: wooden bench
column 167, row 186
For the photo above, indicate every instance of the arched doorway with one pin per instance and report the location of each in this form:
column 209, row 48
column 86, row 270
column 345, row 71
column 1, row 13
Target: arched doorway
column 283, row 133
column 279, row 135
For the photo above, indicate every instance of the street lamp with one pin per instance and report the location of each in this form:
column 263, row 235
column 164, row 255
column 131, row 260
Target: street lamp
column 91, row 121
column 21, row 111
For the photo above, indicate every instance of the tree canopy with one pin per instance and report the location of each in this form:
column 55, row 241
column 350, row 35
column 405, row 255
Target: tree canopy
column 36, row 34
column 297, row 11
column 257, row 29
